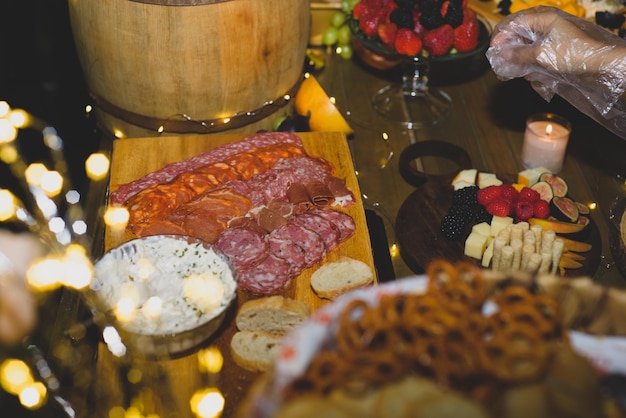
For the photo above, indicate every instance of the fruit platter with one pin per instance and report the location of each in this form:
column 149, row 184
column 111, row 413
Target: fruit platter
column 527, row 221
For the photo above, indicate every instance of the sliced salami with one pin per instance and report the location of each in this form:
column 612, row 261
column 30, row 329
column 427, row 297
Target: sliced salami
column 269, row 277
column 343, row 221
column 326, row 229
column 310, row 241
column 288, row 251
column 170, row 171
column 245, row 247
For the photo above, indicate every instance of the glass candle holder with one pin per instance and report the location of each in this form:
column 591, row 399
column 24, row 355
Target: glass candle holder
column 545, row 141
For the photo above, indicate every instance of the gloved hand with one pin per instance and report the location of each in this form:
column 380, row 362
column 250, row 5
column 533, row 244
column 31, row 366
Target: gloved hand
column 559, row 53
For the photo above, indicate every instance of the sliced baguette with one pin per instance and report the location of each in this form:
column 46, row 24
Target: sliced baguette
column 338, row 277
column 255, row 350
column 274, row 314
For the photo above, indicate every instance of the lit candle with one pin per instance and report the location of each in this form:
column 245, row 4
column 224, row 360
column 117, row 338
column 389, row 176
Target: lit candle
column 545, row 141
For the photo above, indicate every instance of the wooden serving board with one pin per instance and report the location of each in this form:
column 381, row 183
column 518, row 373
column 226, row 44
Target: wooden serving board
column 421, row 241
column 179, row 378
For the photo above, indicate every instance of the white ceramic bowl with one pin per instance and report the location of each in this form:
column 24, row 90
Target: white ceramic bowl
column 165, row 293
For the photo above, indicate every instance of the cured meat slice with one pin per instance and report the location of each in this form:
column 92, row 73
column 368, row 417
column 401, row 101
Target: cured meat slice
column 245, row 247
column 343, row 221
column 298, row 195
column 326, row 229
column 154, row 204
column 203, row 225
column 310, row 241
column 269, row 277
column 319, row 193
column 269, row 220
column 163, row 227
column 246, row 164
column 208, row 177
column 288, row 251
column 170, row 171
column 275, row 153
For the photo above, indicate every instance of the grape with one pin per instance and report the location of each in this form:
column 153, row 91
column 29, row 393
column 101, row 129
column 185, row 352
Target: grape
column 329, row 37
column 345, row 51
column 338, row 19
column 344, row 35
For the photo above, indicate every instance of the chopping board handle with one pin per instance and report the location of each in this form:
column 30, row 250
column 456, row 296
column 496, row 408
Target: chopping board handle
column 430, row 148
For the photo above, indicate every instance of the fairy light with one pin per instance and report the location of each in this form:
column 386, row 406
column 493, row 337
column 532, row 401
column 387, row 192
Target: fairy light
column 79, row 227
column 34, row 172
column 51, row 183
column 15, row 375
column 113, row 341
column 7, row 205
column 9, row 154
column 385, row 136
column 45, row 274
column 204, row 290
column 116, row 217
column 394, row 250
column 592, row 205
column 118, row 134
column 97, row 166
column 210, row 360
column 4, row 109
column 153, row 307
column 33, row 396
column 88, row 109
column 207, row 403
column 8, row 132
column 78, row 267
column 19, row 118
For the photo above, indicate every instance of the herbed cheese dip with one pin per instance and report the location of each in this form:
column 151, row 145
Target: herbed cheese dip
column 160, row 285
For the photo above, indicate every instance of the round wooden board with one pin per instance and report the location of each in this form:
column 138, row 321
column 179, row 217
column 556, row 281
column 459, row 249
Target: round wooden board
column 421, row 241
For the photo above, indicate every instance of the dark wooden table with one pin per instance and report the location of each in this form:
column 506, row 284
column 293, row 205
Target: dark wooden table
column 487, row 121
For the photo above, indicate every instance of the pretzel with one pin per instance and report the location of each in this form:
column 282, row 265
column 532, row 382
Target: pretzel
column 324, row 373
column 513, row 354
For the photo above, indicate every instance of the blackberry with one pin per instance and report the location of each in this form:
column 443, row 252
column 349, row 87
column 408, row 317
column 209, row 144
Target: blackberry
column 505, row 7
column 481, row 215
column 465, row 196
column 403, row 18
column 454, row 14
column 431, row 17
column 406, row 4
column 452, row 225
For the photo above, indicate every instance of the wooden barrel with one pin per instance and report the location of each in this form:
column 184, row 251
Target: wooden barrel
column 190, row 66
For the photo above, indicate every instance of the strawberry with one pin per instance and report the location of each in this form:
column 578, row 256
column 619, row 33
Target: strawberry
column 499, row 207
column 439, row 41
column 444, row 8
column 387, row 33
column 466, row 36
column 529, row 194
column 509, row 192
column 541, row 209
column 488, row 194
column 408, row 42
column 368, row 24
column 524, row 210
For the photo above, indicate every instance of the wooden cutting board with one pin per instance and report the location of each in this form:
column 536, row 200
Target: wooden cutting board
column 179, row 378
column 419, row 235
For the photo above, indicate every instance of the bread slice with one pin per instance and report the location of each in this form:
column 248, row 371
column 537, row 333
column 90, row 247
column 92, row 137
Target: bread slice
column 337, row 277
column 255, row 350
column 274, row 314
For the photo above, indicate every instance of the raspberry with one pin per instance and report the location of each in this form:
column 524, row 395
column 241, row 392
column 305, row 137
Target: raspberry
column 524, row 210
column 541, row 209
column 509, row 192
column 387, row 33
column 500, row 207
column 488, row 194
column 529, row 194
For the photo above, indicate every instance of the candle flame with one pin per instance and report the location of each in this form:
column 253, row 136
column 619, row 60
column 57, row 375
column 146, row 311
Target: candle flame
column 549, row 129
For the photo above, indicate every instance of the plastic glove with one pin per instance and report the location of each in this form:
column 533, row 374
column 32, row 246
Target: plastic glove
column 562, row 54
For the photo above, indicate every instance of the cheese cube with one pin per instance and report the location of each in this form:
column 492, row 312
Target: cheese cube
column 475, row 245
column 530, row 176
column 482, row 228
column 461, row 184
column 467, row 176
column 498, row 223
column 488, row 179
column 488, row 254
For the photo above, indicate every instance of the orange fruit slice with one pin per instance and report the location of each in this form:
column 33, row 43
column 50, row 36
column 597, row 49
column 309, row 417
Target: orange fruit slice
column 311, row 100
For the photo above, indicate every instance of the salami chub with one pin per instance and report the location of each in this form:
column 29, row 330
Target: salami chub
column 263, row 201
